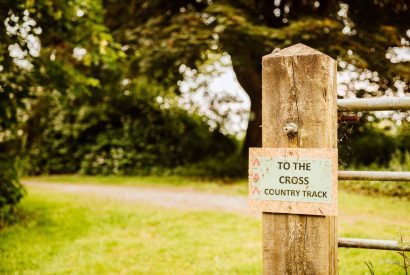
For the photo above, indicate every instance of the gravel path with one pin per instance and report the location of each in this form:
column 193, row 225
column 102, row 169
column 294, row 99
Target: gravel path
column 170, row 198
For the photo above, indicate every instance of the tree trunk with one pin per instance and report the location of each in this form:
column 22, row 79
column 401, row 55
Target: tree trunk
column 249, row 77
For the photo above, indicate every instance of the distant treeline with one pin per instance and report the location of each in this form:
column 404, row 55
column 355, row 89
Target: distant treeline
column 117, row 134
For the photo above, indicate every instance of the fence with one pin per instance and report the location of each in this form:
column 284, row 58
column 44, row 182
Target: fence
column 299, row 90
column 373, row 104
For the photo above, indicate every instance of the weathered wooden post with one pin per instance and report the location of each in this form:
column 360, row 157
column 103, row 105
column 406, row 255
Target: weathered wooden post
column 293, row 178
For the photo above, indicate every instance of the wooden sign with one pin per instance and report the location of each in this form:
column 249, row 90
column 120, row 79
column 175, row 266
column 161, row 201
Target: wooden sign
column 293, row 180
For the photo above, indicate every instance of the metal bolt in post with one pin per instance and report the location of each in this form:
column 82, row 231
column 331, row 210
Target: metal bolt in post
column 291, row 128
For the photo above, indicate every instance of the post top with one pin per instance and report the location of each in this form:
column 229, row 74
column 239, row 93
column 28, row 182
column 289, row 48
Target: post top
column 295, row 50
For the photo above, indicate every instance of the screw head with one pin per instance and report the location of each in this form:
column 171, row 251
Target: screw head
column 291, row 128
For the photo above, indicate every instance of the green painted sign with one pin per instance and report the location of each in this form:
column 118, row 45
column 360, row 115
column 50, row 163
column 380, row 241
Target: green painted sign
column 291, row 179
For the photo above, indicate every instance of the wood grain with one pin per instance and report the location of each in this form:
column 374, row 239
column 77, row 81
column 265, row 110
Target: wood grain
column 299, row 85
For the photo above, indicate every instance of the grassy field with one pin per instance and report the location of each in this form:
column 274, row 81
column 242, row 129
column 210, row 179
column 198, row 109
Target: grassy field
column 79, row 234
column 83, row 234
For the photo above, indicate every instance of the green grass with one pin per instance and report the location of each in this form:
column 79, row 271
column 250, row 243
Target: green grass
column 373, row 218
column 79, row 234
column 83, row 234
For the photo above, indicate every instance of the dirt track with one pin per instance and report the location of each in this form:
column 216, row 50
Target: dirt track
column 166, row 197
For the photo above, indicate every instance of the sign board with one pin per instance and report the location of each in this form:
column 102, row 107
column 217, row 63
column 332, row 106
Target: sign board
column 293, row 180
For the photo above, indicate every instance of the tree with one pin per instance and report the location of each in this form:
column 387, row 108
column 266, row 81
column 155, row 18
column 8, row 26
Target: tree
column 37, row 41
column 117, row 131
column 160, row 36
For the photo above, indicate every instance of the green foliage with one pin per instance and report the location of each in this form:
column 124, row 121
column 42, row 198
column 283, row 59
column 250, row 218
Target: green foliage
column 174, row 33
column 11, row 191
column 229, row 167
column 163, row 35
column 12, row 93
column 403, row 139
column 374, row 145
column 118, row 134
column 366, row 144
column 37, row 39
column 369, row 265
column 400, row 161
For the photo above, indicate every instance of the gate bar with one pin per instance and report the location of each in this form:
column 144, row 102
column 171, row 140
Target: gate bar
column 374, row 104
column 374, row 175
column 372, row 244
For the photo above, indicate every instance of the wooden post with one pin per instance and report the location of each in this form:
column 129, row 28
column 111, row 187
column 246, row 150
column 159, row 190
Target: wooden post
column 299, row 86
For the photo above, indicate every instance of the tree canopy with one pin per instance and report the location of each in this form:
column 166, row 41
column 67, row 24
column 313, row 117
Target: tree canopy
column 163, row 35
column 85, row 43
column 37, row 42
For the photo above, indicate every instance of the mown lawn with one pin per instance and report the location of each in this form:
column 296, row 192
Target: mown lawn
column 83, row 234
column 79, row 234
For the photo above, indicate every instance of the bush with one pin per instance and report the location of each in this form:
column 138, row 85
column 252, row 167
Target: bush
column 233, row 166
column 11, row 191
column 400, row 161
column 363, row 145
column 119, row 135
